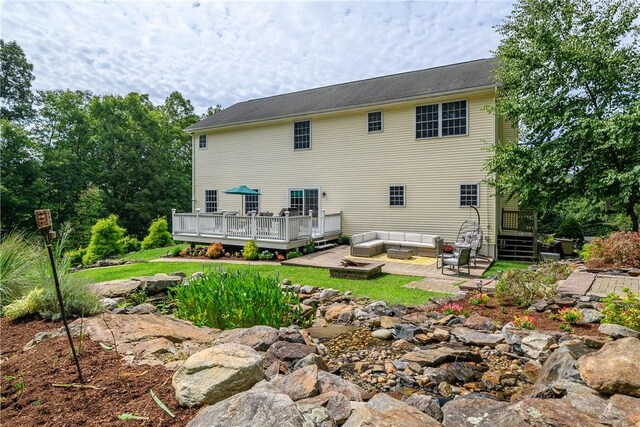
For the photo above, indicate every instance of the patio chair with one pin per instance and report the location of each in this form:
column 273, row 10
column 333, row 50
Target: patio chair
column 463, row 258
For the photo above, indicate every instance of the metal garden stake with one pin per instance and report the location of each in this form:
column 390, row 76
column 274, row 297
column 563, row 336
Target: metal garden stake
column 43, row 219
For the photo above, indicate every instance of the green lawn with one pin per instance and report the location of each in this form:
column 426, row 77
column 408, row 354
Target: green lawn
column 505, row 266
column 150, row 254
column 386, row 287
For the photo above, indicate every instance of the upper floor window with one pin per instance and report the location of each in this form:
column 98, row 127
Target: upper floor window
column 302, row 135
column 374, row 121
column 210, row 200
column 469, row 195
column 202, row 141
column 396, row 195
column 445, row 119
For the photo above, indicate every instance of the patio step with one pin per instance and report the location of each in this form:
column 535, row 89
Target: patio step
column 324, row 244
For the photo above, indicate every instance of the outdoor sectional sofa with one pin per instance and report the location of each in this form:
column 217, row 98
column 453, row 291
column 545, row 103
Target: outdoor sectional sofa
column 375, row 242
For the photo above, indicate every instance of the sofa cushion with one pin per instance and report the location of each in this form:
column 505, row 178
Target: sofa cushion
column 382, row 235
column 369, row 244
column 394, row 235
column 413, row 237
column 357, row 238
column 395, row 242
column 430, row 238
column 370, row 235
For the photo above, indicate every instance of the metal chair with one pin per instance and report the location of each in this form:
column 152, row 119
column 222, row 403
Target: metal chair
column 463, row 258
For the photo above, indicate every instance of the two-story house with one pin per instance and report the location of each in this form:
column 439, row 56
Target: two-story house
column 403, row 152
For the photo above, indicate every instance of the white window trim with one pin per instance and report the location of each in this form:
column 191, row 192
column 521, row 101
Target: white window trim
column 294, row 135
column 244, row 206
column 404, row 196
column 423, row 104
column 217, row 200
column 206, row 142
column 381, row 121
column 477, row 205
column 312, row 187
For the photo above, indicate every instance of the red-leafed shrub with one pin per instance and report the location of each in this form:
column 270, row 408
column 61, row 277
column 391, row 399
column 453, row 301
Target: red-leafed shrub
column 621, row 249
column 214, row 250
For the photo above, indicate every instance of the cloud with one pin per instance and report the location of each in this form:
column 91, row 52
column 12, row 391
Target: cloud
column 223, row 53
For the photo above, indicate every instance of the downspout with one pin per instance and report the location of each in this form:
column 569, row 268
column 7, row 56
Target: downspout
column 193, row 172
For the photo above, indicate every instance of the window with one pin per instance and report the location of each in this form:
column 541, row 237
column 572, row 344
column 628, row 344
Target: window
column 427, row 121
column 252, row 202
column 210, row 200
column 302, row 135
column 468, row 195
column 396, row 195
column 454, row 118
column 304, row 200
column 374, row 121
column 446, row 119
column 202, row 141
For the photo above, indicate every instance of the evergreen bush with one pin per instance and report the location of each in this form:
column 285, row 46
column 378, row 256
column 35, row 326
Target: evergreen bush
column 159, row 235
column 250, row 250
column 105, row 242
column 130, row 244
column 570, row 228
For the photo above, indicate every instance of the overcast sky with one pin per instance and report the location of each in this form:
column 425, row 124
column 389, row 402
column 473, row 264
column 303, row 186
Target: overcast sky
column 223, row 53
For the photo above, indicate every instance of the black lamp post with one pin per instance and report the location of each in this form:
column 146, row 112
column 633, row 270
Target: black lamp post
column 43, row 220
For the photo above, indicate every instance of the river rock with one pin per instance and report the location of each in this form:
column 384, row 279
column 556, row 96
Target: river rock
column 329, row 382
column 389, row 322
column 479, row 323
column 157, row 283
column 589, row 315
column 617, row 331
column 536, row 345
column 300, row 384
column 290, row 352
column 560, row 366
column 427, row 404
column 384, row 411
column 264, row 406
column 383, row 334
column 339, row 313
column 217, row 373
column 437, row 356
column 405, row 331
column 474, row 337
column 260, row 338
column 336, row 403
column 614, row 369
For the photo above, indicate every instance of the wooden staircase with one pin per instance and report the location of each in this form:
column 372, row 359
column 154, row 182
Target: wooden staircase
column 519, row 236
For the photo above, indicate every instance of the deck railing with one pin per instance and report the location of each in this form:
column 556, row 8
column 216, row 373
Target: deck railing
column 252, row 227
column 520, row 221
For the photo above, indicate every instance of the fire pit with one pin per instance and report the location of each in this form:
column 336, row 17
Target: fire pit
column 357, row 270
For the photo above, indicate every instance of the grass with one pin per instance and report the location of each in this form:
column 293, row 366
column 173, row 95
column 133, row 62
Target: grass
column 151, row 254
column 387, row 287
column 505, row 266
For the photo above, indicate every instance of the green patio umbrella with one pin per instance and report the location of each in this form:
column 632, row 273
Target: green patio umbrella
column 243, row 190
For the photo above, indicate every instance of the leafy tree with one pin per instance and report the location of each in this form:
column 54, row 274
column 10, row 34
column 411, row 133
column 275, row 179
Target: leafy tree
column 16, row 75
column 106, row 240
column 570, row 71
column 88, row 209
column 211, row 111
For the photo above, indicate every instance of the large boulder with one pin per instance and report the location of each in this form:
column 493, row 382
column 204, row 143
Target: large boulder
column 300, row 384
column 469, row 410
column 264, row 406
column 158, row 282
column 259, row 338
column 217, row 373
column 339, row 313
column 427, row 404
column 329, row 382
column 336, row 403
column 622, row 411
column 315, row 416
column 617, row 331
column 614, row 369
column 537, row 345
column 385, row 411
column 115, row 288
column 289, row 351
column 479, row 323
column 558, row 368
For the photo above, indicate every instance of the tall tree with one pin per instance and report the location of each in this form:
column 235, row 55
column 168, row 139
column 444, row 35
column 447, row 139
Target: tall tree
column 570, row 71
column 16, row 75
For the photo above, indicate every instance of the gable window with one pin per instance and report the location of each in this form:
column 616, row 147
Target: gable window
column 374, row 121
column 202, row 141
column 469, row 195
column 210, row 200
column 252, row 202
column 427, row 121
column 304, row 200
column 454, row 118
column 396, row 195
column 302, row 135
column 445, row 119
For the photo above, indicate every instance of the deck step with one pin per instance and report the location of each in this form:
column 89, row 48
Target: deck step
column 325, row 246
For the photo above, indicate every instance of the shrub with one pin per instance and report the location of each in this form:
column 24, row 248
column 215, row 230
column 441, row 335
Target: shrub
column 214, row 250
column 176, row 252
column 623, row 311
column 250, row 250
column 293, row 254
column 266, row 255
column 570, row 228
column 134, row 298
column 75, row 256
column 158, row 236
column 478, row 298
column 451, row 308
column 186, row 251
column 570, row 315
column 105, row 240
column 78, row 299
column 344, row 240
column 130, row 244
column 236, row 299
column 310, row 248
column 25, row 306
column 17, row 258
column 524, row 286
column 524, row 322
column 620, row 249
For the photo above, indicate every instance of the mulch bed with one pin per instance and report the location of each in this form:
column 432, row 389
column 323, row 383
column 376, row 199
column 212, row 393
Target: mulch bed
column 28, row 397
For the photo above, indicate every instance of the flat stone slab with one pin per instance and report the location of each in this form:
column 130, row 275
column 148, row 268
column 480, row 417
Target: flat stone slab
column 115, row 288
column 606, row 284
column 578, row 283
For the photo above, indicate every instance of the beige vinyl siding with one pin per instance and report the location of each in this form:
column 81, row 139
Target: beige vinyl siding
column 355, row 168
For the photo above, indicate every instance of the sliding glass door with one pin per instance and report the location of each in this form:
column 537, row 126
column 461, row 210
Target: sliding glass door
column 305, row 199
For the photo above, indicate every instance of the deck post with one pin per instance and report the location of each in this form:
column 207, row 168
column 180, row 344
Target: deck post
column 173, row 221
column 197, row 221
column 321, row 223
column 254, row 227
column 224, row 224
column 286, row 226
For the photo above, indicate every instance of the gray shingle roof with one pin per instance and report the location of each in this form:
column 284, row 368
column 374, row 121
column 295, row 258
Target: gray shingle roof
column 413, row 84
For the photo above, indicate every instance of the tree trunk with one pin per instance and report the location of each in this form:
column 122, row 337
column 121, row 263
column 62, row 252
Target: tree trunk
column 631, row 211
